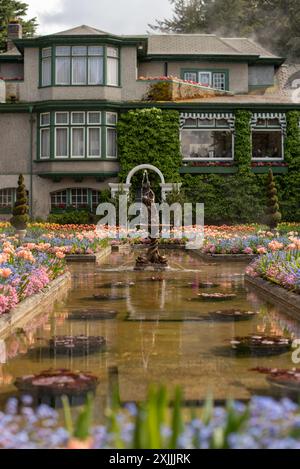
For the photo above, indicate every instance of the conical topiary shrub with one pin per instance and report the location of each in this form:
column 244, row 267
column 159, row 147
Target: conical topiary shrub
column 20, row 211
column 273, row 215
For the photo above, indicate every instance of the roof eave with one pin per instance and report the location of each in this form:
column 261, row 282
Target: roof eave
column 43, row 41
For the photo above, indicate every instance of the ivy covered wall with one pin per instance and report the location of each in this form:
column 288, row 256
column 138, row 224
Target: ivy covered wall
column 152, row 136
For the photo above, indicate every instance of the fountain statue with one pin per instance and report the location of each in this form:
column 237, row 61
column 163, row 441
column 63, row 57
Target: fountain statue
column 153, row 258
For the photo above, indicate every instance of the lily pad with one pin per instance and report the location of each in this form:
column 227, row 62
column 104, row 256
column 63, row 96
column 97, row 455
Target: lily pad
column 261, row 345
column 76, row 345
column 116, row 285
column 215, row 296
column 232, row 315
column 92, row 314
column 53, row 383
column 108, row 298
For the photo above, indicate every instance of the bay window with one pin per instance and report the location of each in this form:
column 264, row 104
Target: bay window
column 78, row 134
column 80, row 65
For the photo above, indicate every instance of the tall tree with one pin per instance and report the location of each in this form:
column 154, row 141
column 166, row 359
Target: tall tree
column 273, row 23
column 189, row 17
column 12, row 9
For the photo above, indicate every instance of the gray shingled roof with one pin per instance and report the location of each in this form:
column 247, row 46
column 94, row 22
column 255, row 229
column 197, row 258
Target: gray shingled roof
column 198, row 44
column 82, row 30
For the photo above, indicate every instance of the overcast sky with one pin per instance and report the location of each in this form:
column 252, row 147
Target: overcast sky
column 115, row 16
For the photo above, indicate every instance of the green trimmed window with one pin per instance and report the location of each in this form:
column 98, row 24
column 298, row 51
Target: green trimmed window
column 7, row 199
column 78, row 198
column 80, row 65
column 267, row 140
column 218, row 79
column 207, row 139
column 77, row 135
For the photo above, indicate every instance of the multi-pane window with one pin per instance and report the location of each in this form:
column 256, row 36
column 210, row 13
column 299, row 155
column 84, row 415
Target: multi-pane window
column 80, row 65
column 267, row 140
column 111, row 135
column 46, row 66
column 112, row 66
column 59, row 200
column 7, row 198
column 213, row 79
column 207, row 139
column 76, row 198
column 78, row 134
column 219, row 81
column 45, row 135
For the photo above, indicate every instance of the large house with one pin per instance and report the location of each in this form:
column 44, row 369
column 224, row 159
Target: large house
column 61, row 95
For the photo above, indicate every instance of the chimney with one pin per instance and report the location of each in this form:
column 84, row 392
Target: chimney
column 14, row 31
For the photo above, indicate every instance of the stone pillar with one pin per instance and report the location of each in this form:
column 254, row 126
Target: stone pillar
column 117, row 187
column 167, row 188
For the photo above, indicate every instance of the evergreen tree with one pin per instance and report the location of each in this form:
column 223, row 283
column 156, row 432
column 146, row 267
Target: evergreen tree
column 273, row 23
column 20, row 211
column 273, row 215
column 189, row 17
column 11, row 9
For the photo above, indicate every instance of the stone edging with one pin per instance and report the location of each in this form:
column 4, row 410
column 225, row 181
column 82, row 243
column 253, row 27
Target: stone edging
column 276, row 294
column 35, row 304
column 161, row 246
column 89, row 257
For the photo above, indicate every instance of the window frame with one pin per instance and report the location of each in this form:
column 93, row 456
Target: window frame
column 60, row 127
column 88, row 155
column 43, row 129
column 103, row 117
column 72, row 128
column 12, row 195
column 211, row 71
column 103, row 58
column 268, row 159
column 209, row 129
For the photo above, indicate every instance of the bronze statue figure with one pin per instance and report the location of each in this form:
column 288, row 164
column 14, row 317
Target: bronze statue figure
column 153, row 257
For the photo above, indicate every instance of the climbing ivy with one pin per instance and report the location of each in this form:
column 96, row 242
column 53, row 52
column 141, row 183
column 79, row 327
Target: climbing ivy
column 150, row 136
column 243, row 143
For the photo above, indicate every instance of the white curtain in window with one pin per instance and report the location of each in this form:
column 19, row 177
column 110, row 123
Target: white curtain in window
column 112, row 71
column 45, row 143
column 94, row 141
column 62, row 70
column 79, row 71
column 78, row 142
column 61, row 142
column 46, row 72
column 95, row 70
column 111, row 142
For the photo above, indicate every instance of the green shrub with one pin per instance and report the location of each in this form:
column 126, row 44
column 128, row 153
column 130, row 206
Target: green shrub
column 76, row 217
column 273, row 215
column 20, row 211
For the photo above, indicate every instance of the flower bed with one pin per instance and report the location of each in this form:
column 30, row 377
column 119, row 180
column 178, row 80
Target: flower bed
column 281, row 268
column 262, row 424
column 26, row 270
column 256, row 244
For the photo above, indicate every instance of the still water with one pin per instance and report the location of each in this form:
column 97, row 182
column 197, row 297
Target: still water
column 157, row 336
